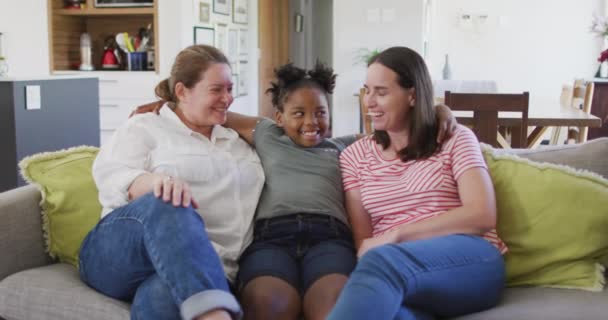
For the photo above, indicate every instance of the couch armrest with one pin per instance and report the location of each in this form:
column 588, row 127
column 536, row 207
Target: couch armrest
column 21, row 240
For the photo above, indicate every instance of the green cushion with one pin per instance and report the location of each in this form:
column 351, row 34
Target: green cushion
column 70, row 207
column 554, row 219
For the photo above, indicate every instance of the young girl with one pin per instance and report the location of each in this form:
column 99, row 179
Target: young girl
column 302, row 252
column 422, row 213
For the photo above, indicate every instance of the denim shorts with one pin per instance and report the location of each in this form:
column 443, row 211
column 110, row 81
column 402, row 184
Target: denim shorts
column 299, row 249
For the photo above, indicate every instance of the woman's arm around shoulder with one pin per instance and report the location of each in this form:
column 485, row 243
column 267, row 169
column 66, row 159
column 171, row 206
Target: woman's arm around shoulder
column 243, row 125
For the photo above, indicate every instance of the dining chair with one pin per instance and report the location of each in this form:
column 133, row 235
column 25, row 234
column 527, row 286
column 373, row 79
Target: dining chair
column 485, row 107
column 581, row 96
column 366, row 120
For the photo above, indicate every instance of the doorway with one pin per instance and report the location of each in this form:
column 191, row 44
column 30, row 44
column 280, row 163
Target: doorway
column 299, row 31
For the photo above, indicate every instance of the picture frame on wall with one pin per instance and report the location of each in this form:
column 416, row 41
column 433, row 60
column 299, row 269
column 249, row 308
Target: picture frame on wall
column 243, row 42
column 235, row 85
column 240, row 12
column 233, row 45
column 222, row 6
column 243, row 77
column 204, row 12
column 221, row 36
column 204, row 35
column 235, row 68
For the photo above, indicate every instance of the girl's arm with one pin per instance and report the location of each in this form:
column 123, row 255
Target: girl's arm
column 357, row 216
column 242, row 124
column 446, row 122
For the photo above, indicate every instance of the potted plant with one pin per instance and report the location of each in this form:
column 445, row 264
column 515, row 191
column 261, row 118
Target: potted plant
column 599, row 26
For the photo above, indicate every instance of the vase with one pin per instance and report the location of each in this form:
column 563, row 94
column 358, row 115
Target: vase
column 604, row 69
column 446, row 72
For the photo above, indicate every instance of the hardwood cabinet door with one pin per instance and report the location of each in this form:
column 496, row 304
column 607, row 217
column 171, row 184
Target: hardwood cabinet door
column 599, row 108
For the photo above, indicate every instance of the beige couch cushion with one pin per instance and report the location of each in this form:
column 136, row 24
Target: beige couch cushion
column 592, row 156
column 55, row 292
column 546, row 303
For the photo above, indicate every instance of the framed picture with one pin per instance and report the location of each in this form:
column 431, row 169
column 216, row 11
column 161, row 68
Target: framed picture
column 243, row 77
column 243, row 42
column 203, row 35
column 204, row 12
column 233, row 45
column 222, row 6
column 221, row 36
column 234, row 68
column 235, row 85
column 240, row 11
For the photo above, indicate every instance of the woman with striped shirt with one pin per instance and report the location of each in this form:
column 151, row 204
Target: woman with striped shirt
column 422, row 213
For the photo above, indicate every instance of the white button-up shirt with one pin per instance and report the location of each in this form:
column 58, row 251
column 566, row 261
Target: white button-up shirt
column 224, row 173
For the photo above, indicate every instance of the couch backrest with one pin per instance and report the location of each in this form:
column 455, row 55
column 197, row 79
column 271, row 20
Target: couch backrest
column 592, row 155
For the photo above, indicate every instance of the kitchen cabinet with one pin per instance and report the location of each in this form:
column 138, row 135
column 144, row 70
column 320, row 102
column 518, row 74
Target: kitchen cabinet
column 119, row 94
column 66, row 26
column 599, row 108
column 119, row 91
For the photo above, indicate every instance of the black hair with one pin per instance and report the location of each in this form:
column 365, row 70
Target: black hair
column 412, row 73
column 290, row 78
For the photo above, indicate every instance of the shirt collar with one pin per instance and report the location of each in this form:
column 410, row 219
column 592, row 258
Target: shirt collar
column 218, row 132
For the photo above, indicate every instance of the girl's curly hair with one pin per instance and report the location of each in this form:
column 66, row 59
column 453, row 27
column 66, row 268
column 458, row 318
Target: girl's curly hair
column 291, row 78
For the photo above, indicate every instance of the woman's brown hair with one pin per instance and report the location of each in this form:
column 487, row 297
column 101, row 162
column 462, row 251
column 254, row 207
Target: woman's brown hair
column 189, row 64
column 412, row 73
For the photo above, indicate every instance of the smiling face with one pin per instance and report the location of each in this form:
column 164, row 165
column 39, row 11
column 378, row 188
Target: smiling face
column 389, row 104
column 206, row 103
column 305, row 116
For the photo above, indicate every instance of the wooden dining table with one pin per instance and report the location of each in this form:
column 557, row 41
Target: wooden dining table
column 541, row 116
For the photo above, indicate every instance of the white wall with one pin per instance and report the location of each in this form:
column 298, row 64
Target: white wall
column 25, row 39
column 367, row 24
column 525, row 45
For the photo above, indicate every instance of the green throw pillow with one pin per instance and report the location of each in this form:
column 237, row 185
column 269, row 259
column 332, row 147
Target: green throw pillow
column 554, row 219
column 70, row 207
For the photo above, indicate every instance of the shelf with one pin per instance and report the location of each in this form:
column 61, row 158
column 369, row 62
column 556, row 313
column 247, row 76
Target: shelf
column 67, row 25
column 96, row 73
column 105, row 11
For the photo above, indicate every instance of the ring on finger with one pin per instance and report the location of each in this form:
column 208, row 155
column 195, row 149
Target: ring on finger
column 169, row 179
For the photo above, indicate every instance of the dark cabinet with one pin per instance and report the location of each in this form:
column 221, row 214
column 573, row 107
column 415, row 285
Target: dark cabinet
column 68, row 116
column 599, row 108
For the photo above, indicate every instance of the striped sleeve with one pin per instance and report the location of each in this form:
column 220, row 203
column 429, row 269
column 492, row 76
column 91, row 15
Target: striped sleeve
column 465, row 152
column 348, row 167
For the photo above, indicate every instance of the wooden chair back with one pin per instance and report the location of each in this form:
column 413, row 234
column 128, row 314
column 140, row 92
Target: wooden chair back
column 485, row 107
column 580, row 97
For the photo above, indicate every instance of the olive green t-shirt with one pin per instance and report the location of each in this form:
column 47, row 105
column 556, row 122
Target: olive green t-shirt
column 299, row 179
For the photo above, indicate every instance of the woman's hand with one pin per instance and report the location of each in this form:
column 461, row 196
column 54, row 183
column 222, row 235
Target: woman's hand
column 370, row 243
column 150, row 107
column 173, row 189
column 447, row 122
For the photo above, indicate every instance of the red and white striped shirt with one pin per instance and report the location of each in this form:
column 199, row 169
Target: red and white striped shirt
column 394, row 192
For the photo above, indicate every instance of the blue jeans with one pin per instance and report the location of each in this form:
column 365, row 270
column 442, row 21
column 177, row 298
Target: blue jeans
column 438, row 277
column 160, row 258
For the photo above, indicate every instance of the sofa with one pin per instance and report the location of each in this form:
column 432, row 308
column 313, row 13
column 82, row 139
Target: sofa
column 32, row 286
